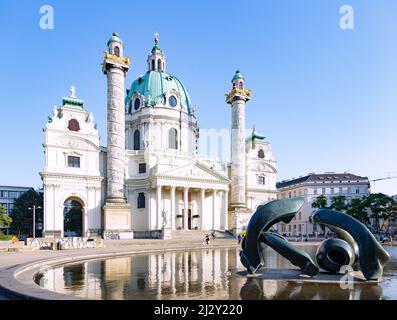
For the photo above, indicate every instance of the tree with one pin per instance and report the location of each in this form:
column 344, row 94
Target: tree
column 338, row 203
column 22, row 216
column 357, row 209
column 320, row 203
column 381, row 208
column 5, row 219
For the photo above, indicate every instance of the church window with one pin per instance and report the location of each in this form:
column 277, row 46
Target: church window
column 73, row 125
column 241, row 85
column 261, row 154
column 261, row 180
column 172, row 101
column 137, row 140
column 141, row 200
column 173, row 138
column 159, row 65
column 73, row 162
column 117, row 51
column 153, row 65
column 137, row 103
column 142, row 168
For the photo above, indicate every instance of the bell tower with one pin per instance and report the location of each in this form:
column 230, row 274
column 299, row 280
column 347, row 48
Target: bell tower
column 117, row 211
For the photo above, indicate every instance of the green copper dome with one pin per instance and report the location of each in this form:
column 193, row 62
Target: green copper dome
column 115, row 38
column 237, row 75
column 154, row 86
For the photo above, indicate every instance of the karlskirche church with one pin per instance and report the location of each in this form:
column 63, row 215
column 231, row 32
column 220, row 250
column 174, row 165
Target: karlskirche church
column 149, row 179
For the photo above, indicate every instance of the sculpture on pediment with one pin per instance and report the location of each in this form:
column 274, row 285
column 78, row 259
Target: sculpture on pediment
column 90, row 118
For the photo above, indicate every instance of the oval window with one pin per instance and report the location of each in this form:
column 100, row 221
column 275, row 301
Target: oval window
column 172, row 101
column 137, row 104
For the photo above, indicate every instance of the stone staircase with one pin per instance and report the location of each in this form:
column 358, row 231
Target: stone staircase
column 198, row 235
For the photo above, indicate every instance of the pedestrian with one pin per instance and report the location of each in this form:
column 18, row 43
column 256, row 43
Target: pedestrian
column 239, row 238
column 213, row 234
column 207, row 239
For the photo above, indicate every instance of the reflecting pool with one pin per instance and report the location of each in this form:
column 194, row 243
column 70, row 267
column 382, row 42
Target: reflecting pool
column 199, row 274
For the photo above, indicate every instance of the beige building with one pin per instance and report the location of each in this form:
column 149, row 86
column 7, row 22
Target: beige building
column 329, row 184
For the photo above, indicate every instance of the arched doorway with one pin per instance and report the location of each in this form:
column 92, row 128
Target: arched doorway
column 73, row 217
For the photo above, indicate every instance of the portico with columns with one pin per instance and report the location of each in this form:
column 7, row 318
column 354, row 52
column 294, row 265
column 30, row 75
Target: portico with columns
column 190, row 207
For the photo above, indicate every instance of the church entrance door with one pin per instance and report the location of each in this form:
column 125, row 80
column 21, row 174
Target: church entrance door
column 73, row 218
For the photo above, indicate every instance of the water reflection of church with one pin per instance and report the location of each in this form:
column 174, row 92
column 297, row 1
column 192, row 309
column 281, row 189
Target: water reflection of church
column 201, row 274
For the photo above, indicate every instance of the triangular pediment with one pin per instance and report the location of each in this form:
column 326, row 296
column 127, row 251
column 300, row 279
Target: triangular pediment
column 196, row 171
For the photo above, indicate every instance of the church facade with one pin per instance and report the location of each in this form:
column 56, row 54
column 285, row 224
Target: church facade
column 150, row 176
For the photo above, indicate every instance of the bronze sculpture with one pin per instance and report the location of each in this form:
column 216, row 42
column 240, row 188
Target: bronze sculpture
column 355, row 246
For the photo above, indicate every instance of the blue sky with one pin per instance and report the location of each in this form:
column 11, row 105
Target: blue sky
column 325, row 98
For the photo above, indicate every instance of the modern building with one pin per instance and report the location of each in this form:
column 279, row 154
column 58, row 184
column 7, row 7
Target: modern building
column 8, row 194
column 311, row 186
column 150, row 175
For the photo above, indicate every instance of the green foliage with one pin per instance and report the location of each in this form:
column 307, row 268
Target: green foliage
column 5, row 220
column 320, row 203
column 22, row 216
column 338, row 203
column 378, row 207
column 358, row 210
column 383, row 209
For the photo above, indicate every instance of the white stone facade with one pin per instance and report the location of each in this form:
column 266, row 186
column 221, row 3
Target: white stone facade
column 164, row 180
column 70, row 135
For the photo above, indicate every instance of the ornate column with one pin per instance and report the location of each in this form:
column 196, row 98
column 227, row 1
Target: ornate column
column 237, row 98
column 225, row 209
column 202, row 206
column 117, row 211
column 186, row 207
column 159, row 208
column 214, row 207
column 173, row 217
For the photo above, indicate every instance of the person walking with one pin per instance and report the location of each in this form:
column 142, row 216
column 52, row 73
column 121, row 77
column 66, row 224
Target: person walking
column 207, row 239
column 239, row 238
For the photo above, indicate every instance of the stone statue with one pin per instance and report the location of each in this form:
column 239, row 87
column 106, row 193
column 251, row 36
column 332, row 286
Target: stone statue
column 164, row 215
column 72, row 91
column 55, row 112
column 90, row 118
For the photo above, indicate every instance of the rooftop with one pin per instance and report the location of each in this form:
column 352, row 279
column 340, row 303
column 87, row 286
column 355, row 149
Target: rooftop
column 327, row 177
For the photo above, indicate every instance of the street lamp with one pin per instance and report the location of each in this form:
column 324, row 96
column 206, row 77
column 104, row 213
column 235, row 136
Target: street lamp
column 34, row 219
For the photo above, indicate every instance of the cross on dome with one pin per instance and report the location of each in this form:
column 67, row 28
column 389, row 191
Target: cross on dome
column 156, row 38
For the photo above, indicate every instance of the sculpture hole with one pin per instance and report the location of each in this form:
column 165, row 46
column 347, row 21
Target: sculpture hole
column 337, row 257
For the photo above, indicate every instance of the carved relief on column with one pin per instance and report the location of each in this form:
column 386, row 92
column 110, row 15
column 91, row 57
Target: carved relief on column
column 116, row 134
